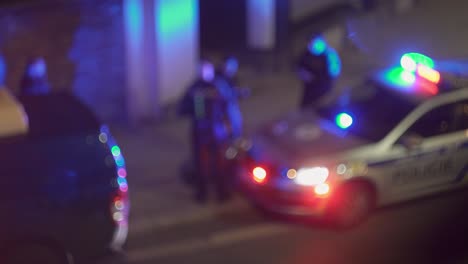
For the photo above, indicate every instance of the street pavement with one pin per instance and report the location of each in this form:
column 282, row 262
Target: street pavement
column 431, row 230
column 167, row 226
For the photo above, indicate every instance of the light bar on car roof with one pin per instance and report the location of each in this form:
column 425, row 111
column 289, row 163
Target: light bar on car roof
column 410, row 61
column 428, row 73
column 421, row 65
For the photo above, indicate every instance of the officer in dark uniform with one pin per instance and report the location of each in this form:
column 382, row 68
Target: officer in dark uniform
column 207, row 108
column 226, row 81
column 318, row 66
column 34, row 80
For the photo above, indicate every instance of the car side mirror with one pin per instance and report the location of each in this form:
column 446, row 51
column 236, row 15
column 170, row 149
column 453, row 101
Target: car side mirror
column 411, row 141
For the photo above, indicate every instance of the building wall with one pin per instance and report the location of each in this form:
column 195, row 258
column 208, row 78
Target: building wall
column 82, row 42
column 301, row 9
column 223, row 25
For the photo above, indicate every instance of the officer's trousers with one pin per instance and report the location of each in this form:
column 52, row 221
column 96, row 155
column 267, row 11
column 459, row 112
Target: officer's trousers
column 210, row 166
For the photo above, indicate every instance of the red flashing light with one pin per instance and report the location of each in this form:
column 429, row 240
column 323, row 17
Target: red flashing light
column 430, row 88
column 259, row 174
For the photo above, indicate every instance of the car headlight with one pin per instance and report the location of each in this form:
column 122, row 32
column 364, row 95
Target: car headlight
column 311, row 176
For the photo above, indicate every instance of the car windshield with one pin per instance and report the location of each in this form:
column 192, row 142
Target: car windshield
column 369, row 110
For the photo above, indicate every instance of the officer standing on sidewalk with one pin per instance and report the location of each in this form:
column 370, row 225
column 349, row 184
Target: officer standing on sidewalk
column 226, row 81
column 318, row 67
column 207, row 108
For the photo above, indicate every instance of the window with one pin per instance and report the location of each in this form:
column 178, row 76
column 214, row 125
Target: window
column 461, row 116
column 435, row 122
column 376, row 110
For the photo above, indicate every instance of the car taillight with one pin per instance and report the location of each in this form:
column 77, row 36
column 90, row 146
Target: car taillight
column 259, row 174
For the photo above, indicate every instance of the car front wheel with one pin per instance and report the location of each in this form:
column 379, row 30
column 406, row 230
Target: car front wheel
column 351, row 205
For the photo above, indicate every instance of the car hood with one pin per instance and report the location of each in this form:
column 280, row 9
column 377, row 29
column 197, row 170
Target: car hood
column 302, row 136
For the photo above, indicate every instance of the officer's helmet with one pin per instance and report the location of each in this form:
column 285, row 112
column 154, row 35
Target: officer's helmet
column 207, row 71
column 37, row 68
column 231, row 66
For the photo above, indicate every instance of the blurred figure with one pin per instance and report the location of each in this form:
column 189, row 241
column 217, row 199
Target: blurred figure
column 13, row 119
column 226, row 81
column 2, row 72
column 208, row 110
column 34, row 81
column 318, row 66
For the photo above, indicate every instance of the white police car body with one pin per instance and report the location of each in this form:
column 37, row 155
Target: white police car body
column 396, row 137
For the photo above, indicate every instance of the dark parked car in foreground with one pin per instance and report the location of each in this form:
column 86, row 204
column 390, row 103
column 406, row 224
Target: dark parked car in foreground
column 64, row 192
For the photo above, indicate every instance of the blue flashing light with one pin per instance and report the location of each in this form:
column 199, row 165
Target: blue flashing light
column 334, row 63
column 3, row 70
column 344, row 120
column 317, row 46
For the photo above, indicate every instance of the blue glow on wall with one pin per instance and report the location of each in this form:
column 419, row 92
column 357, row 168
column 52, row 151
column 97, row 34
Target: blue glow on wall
column 161, row 43
column 96, row 58
column 133, row 12
column 175, row 16
column 176, row 25
column 261, row 23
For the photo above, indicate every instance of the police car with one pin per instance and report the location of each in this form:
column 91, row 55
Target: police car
column 64, row 195
column 402, row 134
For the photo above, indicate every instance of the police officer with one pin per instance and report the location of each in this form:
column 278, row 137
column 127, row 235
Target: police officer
column 226, row 81
column 34, row 80
column 318, row 66
column 13, row 119
column 207, row 108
